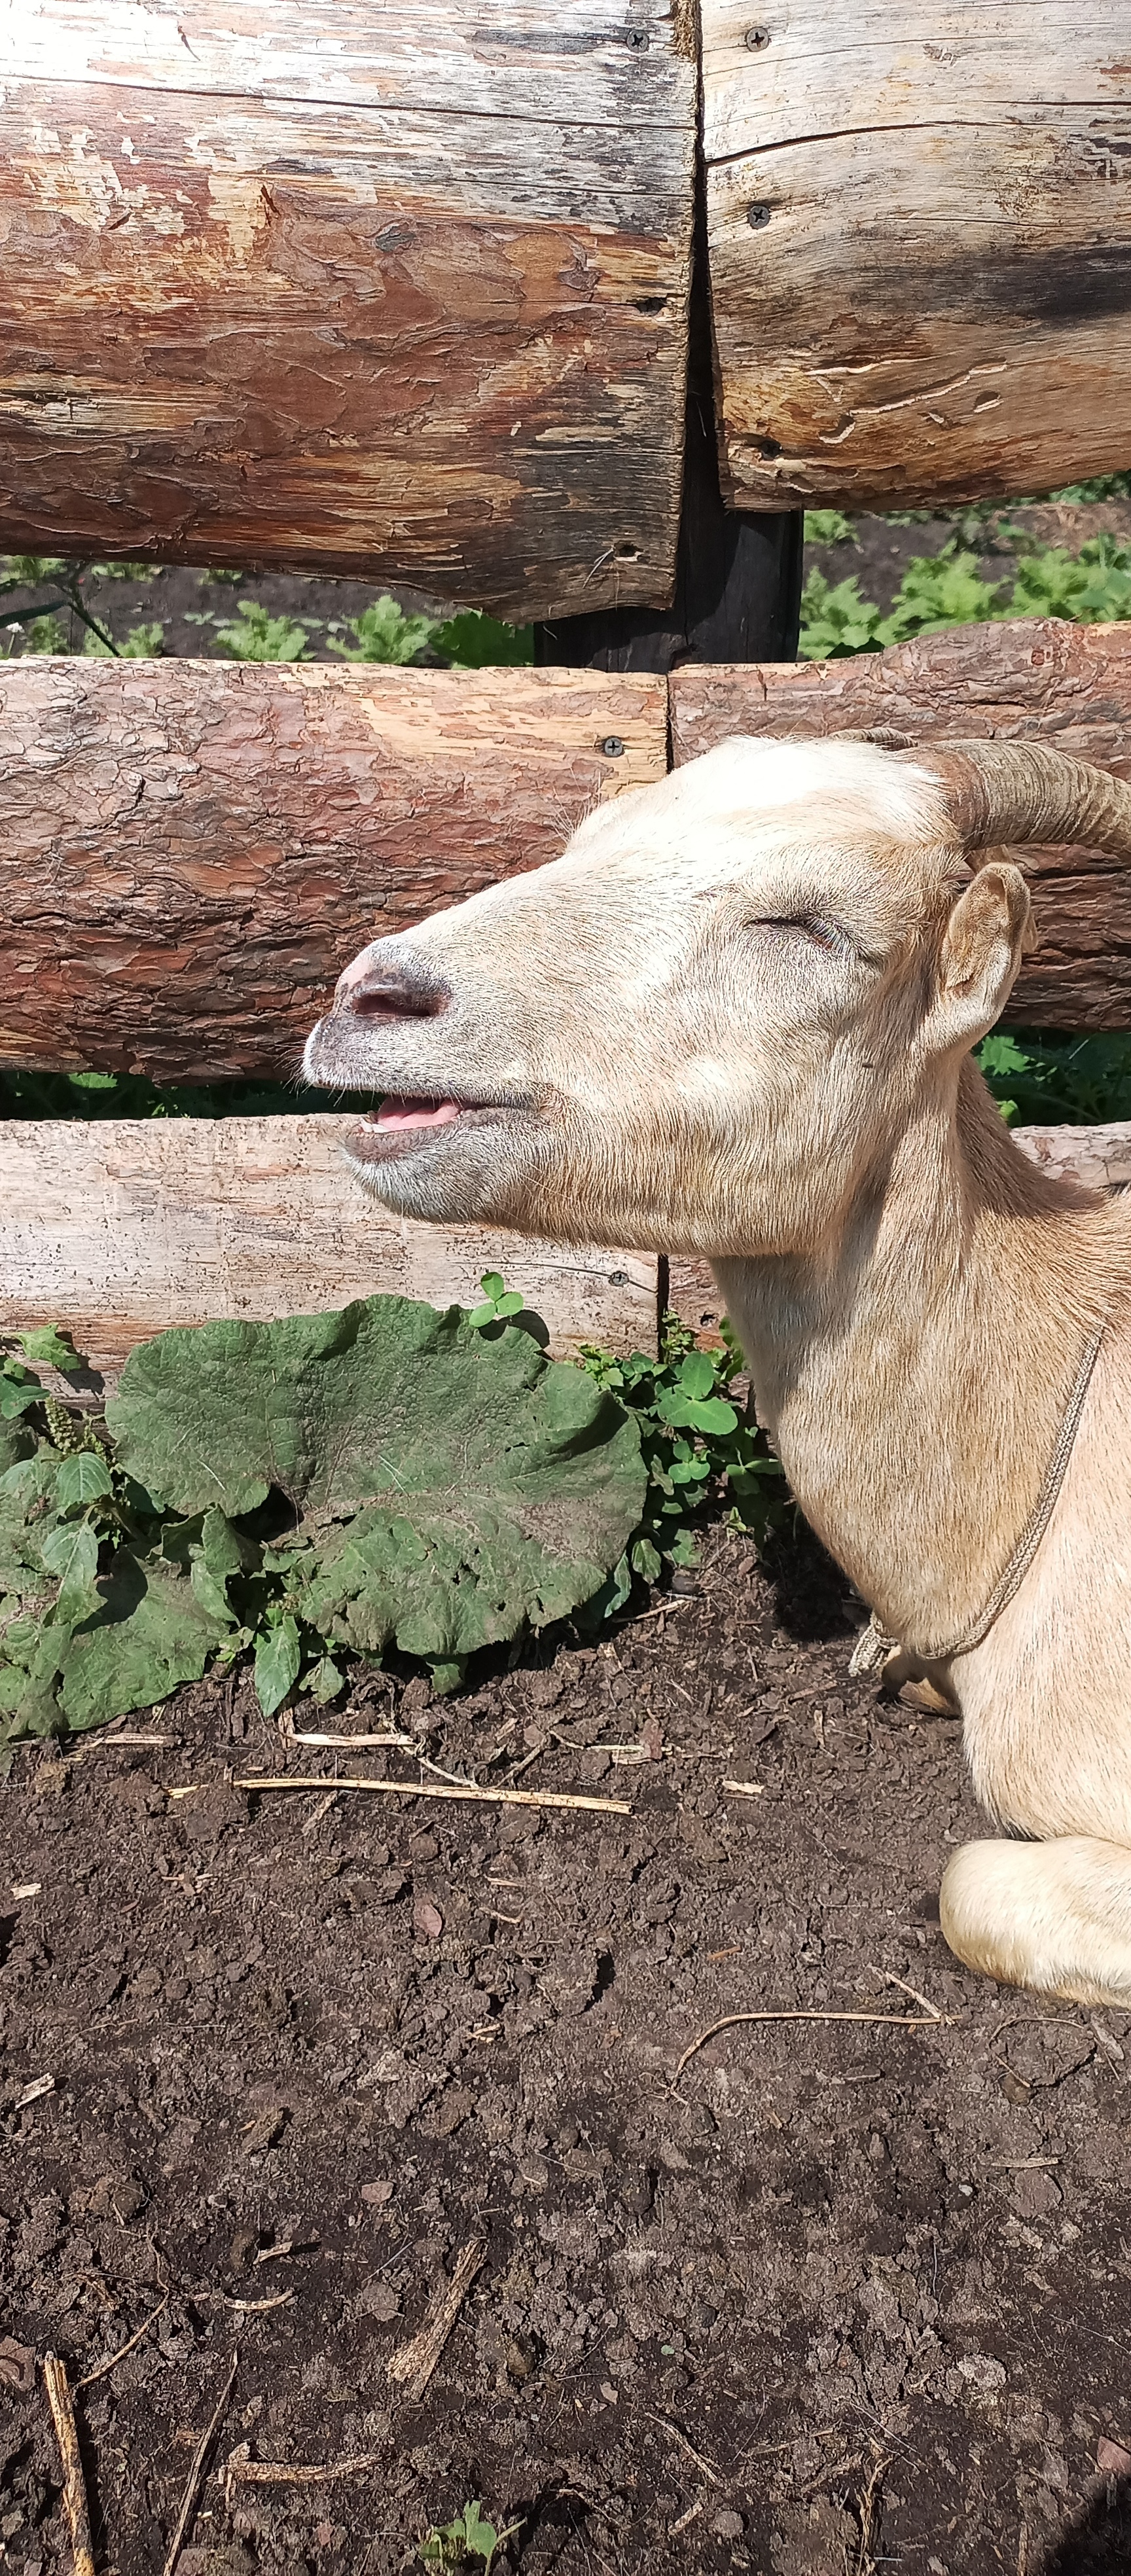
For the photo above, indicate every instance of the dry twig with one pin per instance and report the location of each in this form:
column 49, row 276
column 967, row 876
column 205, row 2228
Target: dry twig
column 866, row 2564
column 298, row 2473
column 744, row 1788
column 195, row 2479
column 678, row 2435
column 888, row 1977
column 113, row 2358
column 74, row 2484
column 413, row 2365
column 890, row 2021
column 425, row 1789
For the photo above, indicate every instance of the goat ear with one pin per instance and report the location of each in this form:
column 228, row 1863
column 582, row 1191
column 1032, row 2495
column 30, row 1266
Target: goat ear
column 987, row 934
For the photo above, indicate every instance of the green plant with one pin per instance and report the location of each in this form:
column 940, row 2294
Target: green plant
column 253, row 635
column 28, row 572
column 454, row 2544
column 836, row 619
column 946, row 589
column 1100, row 487
column 500, row 1303
column 477, row 642
column 383, row 633
column 1045, row 1080
column 46, row 635
column 1094, row 587
column 384, row 1475
column 140, row 645
column 699, row 1451
column 122, row 571
column 828, row 528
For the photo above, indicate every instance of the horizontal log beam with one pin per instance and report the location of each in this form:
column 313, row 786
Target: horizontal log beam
column 191, row 851
column 1033, row 680
column 122, row 1228
column 350, row 288
column 919, row 280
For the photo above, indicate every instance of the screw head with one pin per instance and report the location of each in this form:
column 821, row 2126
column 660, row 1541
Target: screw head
column 636, row 38
column 756, row 39
column 757, row 216
column 611, row 747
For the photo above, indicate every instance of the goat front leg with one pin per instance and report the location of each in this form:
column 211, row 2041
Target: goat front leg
column 1054, row 1916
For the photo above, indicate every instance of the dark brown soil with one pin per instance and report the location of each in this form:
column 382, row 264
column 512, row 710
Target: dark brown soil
column 846, row 2296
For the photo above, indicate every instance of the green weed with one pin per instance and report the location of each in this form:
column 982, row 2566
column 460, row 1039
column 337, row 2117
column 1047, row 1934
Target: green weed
column 1053, row 1080
column 324, row 1485
column 701, row 1453
column 383, row 633
column 475, row 641
column 829, row 528
column 945, row 590
column 455, row 2544
column 253, row 635
column 140, row 645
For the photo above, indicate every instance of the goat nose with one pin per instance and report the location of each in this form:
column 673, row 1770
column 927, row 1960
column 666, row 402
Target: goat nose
column 376, row 991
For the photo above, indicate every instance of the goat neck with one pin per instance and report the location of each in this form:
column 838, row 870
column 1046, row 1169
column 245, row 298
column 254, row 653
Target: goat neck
column 913, row 1373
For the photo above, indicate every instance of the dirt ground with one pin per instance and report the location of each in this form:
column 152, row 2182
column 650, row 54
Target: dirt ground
column 844, row 2295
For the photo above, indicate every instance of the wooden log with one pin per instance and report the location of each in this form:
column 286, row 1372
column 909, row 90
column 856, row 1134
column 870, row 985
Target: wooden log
column 191, row 851
column 918, row 229
column 1032, row 679
column 737, row 595
column 1099, row 1157
column 350, row 287
column 123, row 1227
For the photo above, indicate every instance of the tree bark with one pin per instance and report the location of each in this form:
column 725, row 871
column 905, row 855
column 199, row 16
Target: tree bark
column 190, row 852
column 919, row 248
column 350, row 287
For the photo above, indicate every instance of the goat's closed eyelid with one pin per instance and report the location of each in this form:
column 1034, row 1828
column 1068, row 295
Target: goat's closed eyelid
column 812, row 926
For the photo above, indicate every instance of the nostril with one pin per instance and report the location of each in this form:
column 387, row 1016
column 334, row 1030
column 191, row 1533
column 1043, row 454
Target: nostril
column 387, row 994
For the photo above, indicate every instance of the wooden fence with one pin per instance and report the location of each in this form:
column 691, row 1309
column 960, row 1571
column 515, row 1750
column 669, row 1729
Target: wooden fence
column 351, row 285
column 190, row 852
column 918, row 222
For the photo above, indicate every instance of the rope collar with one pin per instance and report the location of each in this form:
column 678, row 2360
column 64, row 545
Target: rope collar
column 874, row 1646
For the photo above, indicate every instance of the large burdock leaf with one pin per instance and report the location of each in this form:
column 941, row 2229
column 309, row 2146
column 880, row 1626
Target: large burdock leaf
column 448, row 1486
column 150, row 1635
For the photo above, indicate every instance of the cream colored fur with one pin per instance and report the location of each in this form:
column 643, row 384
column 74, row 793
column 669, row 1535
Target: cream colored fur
column 735, row 1018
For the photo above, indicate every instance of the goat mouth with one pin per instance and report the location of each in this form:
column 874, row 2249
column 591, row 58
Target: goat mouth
column 403, row 1125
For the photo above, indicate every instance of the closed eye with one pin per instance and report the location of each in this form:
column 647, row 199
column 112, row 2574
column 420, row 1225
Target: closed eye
column 812, row 926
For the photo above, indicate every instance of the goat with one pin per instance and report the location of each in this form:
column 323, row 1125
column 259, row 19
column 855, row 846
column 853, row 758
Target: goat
column 735, row 1018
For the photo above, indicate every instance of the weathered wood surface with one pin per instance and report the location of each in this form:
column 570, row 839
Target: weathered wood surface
column 1099, row 1157
column 350, row 287
column 1038, row 680
column 919, row 234
column 191, row 851
column 124, row 1227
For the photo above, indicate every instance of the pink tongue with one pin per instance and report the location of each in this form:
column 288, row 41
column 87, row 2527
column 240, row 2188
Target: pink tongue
column 417, row 1113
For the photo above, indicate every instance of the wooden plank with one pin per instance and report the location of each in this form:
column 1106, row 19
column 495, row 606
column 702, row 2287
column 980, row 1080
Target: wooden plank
column 1099, row 1157
column 124, row 1227
column 1034, row 679
column 191, row 851
column 349, row 288
column 919, row 234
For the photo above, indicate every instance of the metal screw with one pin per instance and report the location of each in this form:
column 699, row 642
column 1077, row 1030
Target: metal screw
column 612, row 747
column 756, row 216
column 756, row 39
column 636, row 38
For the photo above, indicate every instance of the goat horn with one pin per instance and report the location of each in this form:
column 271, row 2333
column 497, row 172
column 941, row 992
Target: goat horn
column 1007, row 794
